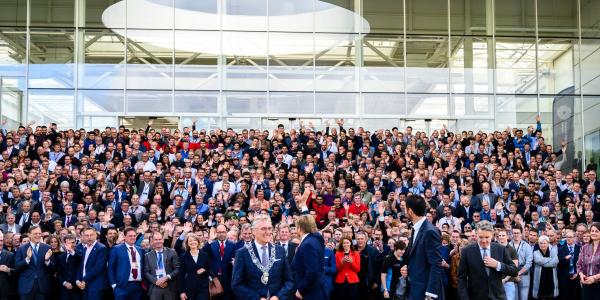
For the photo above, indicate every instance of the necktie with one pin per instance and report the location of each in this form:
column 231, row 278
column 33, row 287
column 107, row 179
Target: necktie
column 160, row 263
column 485, row 254
column 264, row 256
column 571, row 265
column 35, row 253
column 134, row 269
column 222, row 250
column 285, row 248
column 67, row 221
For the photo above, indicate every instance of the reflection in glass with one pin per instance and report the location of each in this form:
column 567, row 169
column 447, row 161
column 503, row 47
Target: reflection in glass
column 515, row 66
column 383, row 62
column 555, row 65
column 51, row 106
column 150, row 66
column 57, row 13
column 427, row 105
column 196, row 102
column 12, row 52
column 291, row 72
column 557, row 18
column 590, row 19
column 384, row 16
column 103, row 64
column 335, row 69
column 149, row 102
column 472, row 65
column 337, row 104
column 384, row 104
column 292, row 103
column 245, row 103
column 590, row 73
column 427, row 64
column 195, row 70
column 13, row 13
column 427, row 17
column 12, row 93
column 515, row 17
column 468, row 17
column 51, row 58
column 100, row 101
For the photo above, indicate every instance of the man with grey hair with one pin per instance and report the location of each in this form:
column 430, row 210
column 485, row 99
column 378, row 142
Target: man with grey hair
column 482, row 266
column 261, row 270
column 245, row 235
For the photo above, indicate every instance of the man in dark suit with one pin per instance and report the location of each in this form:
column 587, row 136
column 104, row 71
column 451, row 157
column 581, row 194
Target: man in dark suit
column 482, row 266
column 7, row 264
column 221, row 253
column 284, row 241
column 32, row 262
column 423, row 255
column 69, row 219
column 258, row 258
column 125, row 268
column 568, row 254
column 92, row 274
column 67, row 265
column 161, row 269
column 309, row 261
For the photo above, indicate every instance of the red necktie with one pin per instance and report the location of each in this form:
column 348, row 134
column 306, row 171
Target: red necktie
column 222, row 249
column 134, row 270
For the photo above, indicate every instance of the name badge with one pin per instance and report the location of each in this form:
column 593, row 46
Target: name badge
column 160, row 272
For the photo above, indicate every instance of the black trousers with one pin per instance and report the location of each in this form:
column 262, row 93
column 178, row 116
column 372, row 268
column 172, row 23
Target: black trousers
column 346, row 291
column 35, row 293
column 590, row 291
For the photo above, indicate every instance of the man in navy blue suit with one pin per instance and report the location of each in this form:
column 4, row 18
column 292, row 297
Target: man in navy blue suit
column 32, row 262
column 92, row 274
column 67, row 265
column 423, row 255
column 221, row 253
column 308, row 263
column 125, row 268
column 261, row 270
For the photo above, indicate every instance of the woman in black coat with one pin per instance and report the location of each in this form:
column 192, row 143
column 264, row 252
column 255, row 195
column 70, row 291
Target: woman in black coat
column 194, row 271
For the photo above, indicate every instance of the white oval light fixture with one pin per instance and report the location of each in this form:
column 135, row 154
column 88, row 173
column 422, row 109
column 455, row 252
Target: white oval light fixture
column 237, row 27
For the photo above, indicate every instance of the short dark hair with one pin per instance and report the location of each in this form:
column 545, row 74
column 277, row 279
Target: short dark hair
column 128, row 229
column 417, row 204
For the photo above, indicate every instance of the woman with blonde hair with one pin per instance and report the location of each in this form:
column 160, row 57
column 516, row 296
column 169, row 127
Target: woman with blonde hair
column 194, row 270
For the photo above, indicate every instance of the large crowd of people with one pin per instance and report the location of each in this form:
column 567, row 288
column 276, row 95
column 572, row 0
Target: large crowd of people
column 295, row 213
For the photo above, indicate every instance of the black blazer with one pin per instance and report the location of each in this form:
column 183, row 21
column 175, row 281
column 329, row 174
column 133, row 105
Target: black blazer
column 66, row 270
column 474, row 282
column 563, row 264
column 189, row 281
column 8, row 287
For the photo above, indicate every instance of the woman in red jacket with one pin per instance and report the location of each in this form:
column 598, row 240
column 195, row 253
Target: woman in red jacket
column 347, row 262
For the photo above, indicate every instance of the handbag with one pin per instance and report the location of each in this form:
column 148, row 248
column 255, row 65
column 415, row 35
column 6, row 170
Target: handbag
column 214, row 287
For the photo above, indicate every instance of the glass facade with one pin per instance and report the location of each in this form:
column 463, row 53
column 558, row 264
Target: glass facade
column 470, row 64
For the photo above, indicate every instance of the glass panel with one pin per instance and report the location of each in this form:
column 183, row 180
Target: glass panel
column 472, row 65
column 466, row 125
column 468, row 17
column 100, row 101
column 590, row 19
column 335, row 69
column 427, row 105
column 246, row 72
column 13, row 13
column 243, row 123
column 427, row 17
column 52, row 106
column 55, row 13
column 12, row 92
column 291, row 68
column 195, row 69
column 515, row 111
column 555, row 65
column 291, row 103
column 592, row 151
column 13, row 45
column 515, row 18
column 51, row 58
column 291, row 15
column 254, row 14
column 245, row 103
column 151, row 102
column 187, row 14
column 94, row 9
column 153, row 14
column 470, row 105
column 590, row 73
column 336, row 103
column 427, row 64
column 103, row 63
column 384, row 104
column 515, row 61
column 384, row 15
column 336, row 16
column 383, row 64
column 150, row 58
column 201, row 123
column 557, row 18
column 99, row 122
column 196, row 102
column 376, row 124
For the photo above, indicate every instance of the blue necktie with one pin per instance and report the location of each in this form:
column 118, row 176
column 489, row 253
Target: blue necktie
column 160, row 263
column 571, row 265
column 35, row 253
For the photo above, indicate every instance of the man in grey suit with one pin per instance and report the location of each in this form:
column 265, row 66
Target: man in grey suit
column 146, row 188
column 10, row 225
column 161, row 266
column 485, row 195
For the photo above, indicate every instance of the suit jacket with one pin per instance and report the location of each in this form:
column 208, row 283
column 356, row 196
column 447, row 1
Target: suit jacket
column 36, row 269
column 66, row 269
column 564, row 264
column 492, row 200
column 170, row 263
column 308, row 266
column 189, row 281
column 96, row 272
column 291, row 250
column 4, row 228
column 7, row 287
column 473, row 280
column 330, row 269
column 461, row 212
column 72, row 221
column 222, row 267
column 140, row 189
column 119, row 266
column 246, row 282
column 424, row 262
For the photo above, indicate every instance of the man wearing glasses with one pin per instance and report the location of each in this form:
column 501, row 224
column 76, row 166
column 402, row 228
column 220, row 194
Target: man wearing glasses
column 525, row 254
column 568, row 254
